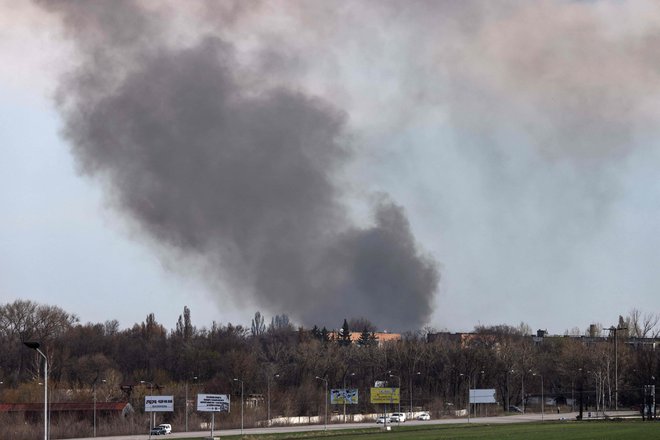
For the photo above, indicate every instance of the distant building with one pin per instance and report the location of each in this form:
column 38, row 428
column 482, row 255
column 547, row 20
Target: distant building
column 381, row 337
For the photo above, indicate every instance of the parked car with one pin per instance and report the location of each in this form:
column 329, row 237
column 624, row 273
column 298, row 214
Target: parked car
column 158, row 430
column 166, row 426
column 515, row 409
column 424, row 416
column 383, row 419
column 398, row 417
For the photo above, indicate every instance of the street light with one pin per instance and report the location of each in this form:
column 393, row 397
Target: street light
column 194, row 378
column 344, row 384
column 616, row 363
column 268, row 383
column 94, row 389
column 242, row 383
column 468, row 402
column 508, row 397
column 411, row 392
column 522, row 390
column 398, row 377
column 325, row 424
column 35, row 346
column 151, row 392
column 542, row 399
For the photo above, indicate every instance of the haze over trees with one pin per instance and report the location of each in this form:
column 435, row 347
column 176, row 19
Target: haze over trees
column 283, row 360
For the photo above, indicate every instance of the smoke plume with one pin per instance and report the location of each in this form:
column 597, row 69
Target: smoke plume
column 259, row 136
column 219, row 166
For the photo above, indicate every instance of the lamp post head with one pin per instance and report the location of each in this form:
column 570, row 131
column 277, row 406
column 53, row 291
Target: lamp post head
column 32, row 344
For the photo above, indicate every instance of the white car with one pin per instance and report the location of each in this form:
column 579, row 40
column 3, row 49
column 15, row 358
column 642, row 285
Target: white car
column 383, row 419
column 398, row 417
column 166, row 427
column 424, row 416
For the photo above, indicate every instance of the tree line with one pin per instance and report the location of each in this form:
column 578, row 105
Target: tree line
column 283, row 361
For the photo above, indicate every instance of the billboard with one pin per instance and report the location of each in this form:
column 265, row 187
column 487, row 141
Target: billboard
column 482, row 396
column 344, row 396
column 213, row 402
column 158, row 403
column 385, row 395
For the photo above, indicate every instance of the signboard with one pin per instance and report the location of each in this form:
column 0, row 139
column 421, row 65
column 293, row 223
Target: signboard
column 158, row 403
column 213, row 402
column 344, row 396
column 385, row 395
column 482, row 396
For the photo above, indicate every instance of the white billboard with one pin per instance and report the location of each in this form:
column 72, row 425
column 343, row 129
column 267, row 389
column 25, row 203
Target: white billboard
column 213, row 402
column 158, row 403
column 482, row 396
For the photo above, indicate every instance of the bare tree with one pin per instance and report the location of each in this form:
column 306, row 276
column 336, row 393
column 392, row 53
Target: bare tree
column 643, row 326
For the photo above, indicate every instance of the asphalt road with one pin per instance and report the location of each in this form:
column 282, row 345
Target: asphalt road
column 518, row 418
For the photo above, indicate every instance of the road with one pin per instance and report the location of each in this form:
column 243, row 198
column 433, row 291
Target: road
column 518, row 418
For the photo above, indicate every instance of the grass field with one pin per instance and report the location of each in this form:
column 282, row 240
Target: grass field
column 520, row 431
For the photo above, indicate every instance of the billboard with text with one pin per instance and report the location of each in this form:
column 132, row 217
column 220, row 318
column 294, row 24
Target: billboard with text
column 213, row 402
column 384, row 395
column 158, row 403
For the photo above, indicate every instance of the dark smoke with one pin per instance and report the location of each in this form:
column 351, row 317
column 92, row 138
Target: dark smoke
column 242, row 176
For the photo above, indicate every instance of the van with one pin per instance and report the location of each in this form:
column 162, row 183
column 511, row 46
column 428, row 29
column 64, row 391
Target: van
column 166, row 427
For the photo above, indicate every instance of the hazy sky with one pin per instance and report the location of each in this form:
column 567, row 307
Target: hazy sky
column 421, row 162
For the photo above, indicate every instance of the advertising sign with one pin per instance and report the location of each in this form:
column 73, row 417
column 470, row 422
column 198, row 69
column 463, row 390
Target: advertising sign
column 482, row 396
column 158, row 403
column 344, row 396
column 213, row 402
column 384, row 395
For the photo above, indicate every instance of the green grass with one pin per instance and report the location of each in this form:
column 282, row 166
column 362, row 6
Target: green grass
column 629, row 430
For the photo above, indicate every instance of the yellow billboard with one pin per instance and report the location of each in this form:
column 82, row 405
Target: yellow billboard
column 385, row 395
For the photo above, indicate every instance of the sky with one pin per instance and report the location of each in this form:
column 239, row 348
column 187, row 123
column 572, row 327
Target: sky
column 421, row 164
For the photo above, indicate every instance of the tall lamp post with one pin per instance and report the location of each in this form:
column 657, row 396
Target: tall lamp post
column 94, row 389
column 242, row 383
column 616, row 364
column 325, row 421
column 468, row 402
column 542, row 397
column 194, row 378
column 522, row 389
column 274, row 376
column 35, row 346
column 151, row 417
column 344, row 384
column 398, row 377
column 508, row 396
column 411, row 392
